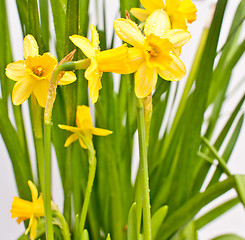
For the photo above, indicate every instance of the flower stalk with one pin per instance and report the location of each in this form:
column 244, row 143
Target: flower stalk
column 91, row 175
column 144, row 170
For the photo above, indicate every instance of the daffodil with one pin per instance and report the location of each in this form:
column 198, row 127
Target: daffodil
column 180, row 12
column 84, row 129
column 24, row 210
column 33, row 74
column 152, row 54
column 113, row 60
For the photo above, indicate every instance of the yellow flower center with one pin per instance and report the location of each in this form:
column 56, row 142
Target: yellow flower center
column 151, row 51
column 38, row 71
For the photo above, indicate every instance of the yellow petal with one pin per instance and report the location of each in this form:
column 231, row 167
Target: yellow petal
column 41, row 92
column 30, row 47
column 34, row 192
column 69, row 128
column 30, row 225
column 83, row 118
column 178, row 37
column 95, row 37
column 178, row 21
column 152, row 5
column 68, row 77
column 114, row 60
column 84, row 44
column 145, row 80
column 22, row 90
column 140, row 13
column 72, row 138
column 82, row 144
column 129, row 32
column 175, row 71
column 135, row 59
column 21, row 208
column 157, row 23
column 38, row 207
column 101, row 132
column 177, row 51
column 16, row 70
column 188, row 9
column 172, row 6
column 93, row 75
column 33, row 229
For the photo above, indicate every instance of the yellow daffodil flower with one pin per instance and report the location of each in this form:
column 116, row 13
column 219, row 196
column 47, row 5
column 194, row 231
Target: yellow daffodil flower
column 84, row 129
column 24, row 210
column 152, row 54
column 113, row 60
column 180, row 12
column 33, row 74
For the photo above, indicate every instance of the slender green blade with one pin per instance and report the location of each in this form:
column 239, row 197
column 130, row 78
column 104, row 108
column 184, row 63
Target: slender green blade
column 59, row 13
column 188, row 210
column 132, row 223
column 157, row 220
column 228, row 237
column 44, row 17
column 215, row 213
column 21, row 168
column 195, row 112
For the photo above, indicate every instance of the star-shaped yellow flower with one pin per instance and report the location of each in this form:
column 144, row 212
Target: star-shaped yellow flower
column 113, row 60
column 180, row 12
column 33, row 74
column 152, row 54
column 24, row 210
column 84, row 129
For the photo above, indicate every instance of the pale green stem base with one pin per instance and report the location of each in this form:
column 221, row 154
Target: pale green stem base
column 91, row 175
column 144, row 170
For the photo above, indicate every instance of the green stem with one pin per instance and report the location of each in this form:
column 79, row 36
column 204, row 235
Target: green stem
column 47, row 181
column 91, row 175
column 61, row 222
column 36, row 112
column 66, row 66
column 144, row 170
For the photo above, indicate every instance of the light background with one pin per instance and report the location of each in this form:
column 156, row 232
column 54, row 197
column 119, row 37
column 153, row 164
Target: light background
column 231, row 222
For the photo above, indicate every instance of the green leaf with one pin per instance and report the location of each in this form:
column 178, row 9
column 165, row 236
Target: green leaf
column 85, row 235
column 240, row 187
column 188, row 232
column 228, row 237
column 22, row 6
column 157, row 220
column 228, row 149
column 34, row 24
column 108, row 237
column 215, row 213
column 188, row 210
column 59, row 13
column 21, row 165
column 195, row 112
column 44, row 17
column 132, row 223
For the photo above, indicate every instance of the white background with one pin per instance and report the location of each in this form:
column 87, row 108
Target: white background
column 231, row 222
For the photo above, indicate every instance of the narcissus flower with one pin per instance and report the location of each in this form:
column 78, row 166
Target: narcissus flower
column 180, row 12
column 33, row 74
column 84, row 129
column 24, row 210
column 113, row 60
column 152, row 54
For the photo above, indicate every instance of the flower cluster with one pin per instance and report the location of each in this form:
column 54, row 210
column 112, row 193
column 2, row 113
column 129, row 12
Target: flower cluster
column 154, row 50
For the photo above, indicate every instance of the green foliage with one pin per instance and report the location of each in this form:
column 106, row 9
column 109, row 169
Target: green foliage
column 179, row 159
